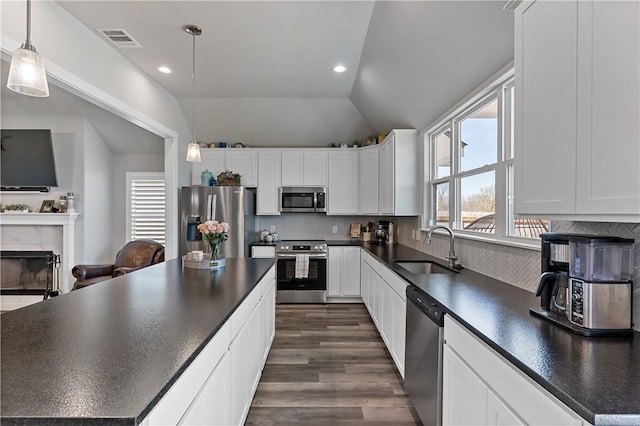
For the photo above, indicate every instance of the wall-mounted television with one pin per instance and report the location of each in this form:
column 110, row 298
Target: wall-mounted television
column 26, row 160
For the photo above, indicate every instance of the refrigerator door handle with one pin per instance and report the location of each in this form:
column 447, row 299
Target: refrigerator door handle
column 213, row 206
column 209, row 202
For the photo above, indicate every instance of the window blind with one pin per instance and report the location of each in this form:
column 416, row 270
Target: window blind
column 146, row 210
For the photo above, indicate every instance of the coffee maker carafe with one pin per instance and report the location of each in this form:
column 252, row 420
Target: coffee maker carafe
column 553, row 286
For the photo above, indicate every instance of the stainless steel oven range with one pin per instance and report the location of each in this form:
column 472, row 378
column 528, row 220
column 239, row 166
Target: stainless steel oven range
column 301, row 272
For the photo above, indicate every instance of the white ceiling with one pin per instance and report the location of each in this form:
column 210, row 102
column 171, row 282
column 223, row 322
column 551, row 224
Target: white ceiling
column 264, row 68
column 247, row 48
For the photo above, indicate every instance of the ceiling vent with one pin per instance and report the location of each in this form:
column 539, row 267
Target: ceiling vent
column 119, row 37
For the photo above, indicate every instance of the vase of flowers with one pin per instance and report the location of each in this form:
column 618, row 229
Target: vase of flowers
column 215, row 233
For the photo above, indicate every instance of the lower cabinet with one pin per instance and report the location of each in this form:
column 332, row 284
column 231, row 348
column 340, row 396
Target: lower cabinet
column 343, row 272
column 218, row 387
column 383, row 293
column 482, row 388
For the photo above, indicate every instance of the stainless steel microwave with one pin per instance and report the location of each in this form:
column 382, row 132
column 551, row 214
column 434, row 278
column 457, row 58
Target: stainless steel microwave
column 303, row 199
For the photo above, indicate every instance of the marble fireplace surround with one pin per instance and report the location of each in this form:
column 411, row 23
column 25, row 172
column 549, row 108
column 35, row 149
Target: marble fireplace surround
column 42, row 231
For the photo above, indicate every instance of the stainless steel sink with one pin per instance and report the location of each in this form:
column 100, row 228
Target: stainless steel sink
column 423, row 267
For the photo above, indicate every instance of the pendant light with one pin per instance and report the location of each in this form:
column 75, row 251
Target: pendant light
column 193, row 150
column 26, row 73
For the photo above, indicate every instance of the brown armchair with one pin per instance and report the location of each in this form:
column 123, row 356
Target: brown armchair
column 134, row 255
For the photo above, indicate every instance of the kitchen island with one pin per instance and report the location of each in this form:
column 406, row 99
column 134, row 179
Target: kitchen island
column 109, row 353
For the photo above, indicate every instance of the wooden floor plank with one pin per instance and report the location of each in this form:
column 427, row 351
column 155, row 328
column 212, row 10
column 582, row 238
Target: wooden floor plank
column 329, row 366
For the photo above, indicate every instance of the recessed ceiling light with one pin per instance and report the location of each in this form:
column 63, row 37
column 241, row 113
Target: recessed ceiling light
column 164, row 70
column 339, row 68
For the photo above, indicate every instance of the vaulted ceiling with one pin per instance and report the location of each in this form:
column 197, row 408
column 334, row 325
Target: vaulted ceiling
column 264, row 68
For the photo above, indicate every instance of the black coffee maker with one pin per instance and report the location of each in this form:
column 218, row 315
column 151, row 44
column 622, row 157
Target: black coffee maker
column 554, row 276
column 382, row 231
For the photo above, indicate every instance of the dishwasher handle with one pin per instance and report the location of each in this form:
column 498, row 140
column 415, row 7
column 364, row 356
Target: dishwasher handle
column 427, row 305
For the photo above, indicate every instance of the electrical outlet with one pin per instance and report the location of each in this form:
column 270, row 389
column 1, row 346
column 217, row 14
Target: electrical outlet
column 417, row 234
column 273, row 229
column 413, row 234
column 335, row 229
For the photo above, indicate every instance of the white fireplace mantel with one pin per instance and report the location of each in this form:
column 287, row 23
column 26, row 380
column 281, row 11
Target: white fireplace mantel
column 66, row 221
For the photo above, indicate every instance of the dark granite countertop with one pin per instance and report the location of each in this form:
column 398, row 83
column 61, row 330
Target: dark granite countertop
column 352, row 242
column 598, row 378
column 107, row 354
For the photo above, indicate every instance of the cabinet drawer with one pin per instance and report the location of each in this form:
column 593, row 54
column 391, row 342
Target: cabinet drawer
column 263, row 252
column 531, row 402
column 242, row 314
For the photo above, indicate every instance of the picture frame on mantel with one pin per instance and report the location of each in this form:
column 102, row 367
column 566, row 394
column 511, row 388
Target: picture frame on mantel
column 47, row 206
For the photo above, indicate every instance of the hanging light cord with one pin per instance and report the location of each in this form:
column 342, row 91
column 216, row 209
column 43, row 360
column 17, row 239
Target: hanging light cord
column 27, row 43
column 193, row 89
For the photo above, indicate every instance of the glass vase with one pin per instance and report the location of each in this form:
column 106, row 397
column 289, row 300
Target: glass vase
column 215, row 250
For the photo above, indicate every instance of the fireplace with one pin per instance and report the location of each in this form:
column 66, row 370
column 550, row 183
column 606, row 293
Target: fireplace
column 28, row 272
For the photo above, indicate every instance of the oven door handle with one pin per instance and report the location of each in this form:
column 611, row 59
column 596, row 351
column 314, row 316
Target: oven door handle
column 292, row 256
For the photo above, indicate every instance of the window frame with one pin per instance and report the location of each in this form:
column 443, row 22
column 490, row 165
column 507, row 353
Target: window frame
column 499, row 87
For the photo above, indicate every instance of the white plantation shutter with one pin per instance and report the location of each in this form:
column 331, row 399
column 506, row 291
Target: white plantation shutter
column 146, row 206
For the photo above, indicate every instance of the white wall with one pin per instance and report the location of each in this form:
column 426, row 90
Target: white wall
column 279, row 122
column 94, row 203
column 123, row 163
column 80, row 61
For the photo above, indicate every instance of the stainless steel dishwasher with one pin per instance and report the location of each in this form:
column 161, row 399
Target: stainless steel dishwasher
column 423, row 356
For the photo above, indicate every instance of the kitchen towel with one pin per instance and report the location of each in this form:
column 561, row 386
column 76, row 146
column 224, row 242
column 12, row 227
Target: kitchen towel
column 302, row 266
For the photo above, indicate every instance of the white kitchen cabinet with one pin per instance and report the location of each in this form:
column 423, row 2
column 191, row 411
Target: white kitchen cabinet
column 212, row 160
column 268, row 193
column 368, row 184
column 304, row 167
column 245, row 162
column 343, row 266
column 464, row 400
column 212, row 404
column 480, row 387
column 383, row 293
column 263, row 252
column 218, row 387
column 398, row 179
column 343, row 182
column 217, row 160
column 573, row 120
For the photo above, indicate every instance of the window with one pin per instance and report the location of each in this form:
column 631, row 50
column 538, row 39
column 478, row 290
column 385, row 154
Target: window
column 146, row 206
column 470, row 167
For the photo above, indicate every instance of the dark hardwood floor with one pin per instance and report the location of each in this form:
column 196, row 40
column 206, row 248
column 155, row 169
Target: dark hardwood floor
column 328, row 365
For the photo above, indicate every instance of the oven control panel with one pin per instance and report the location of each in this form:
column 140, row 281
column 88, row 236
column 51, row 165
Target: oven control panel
column 301, row 247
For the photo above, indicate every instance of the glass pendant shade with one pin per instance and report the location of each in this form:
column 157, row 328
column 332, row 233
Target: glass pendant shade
column 26, row 74
column 193, row 153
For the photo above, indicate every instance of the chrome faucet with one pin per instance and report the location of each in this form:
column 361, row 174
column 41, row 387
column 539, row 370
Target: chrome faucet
column 452, row 258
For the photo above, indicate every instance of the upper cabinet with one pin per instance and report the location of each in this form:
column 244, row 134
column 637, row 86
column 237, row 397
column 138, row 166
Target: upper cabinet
column 398, row 178
column 304, row 168
column 343, row 182
column 238, row 160
column 368, row 183
column 577, row 141
column 268, row 201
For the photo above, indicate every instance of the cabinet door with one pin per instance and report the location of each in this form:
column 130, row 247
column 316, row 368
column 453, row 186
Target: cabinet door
column 315, row 168
column 387, row 316
column 399, row 331
column 387, row 178
column 464, row 394
column 245, row 163
column 545, row 122
column 212, row 160
column 343, row 182
column 350, row 285
column 292, row 166
column 268, row 183
column 239, row 376
column 499, row 413
column 608, row 154
column 334, row 276
column 368, row 194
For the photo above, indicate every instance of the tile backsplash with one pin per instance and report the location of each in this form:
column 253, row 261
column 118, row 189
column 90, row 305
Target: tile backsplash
column 517, row 266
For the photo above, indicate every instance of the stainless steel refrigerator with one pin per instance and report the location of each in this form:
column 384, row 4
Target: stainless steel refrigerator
column 232, row 204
